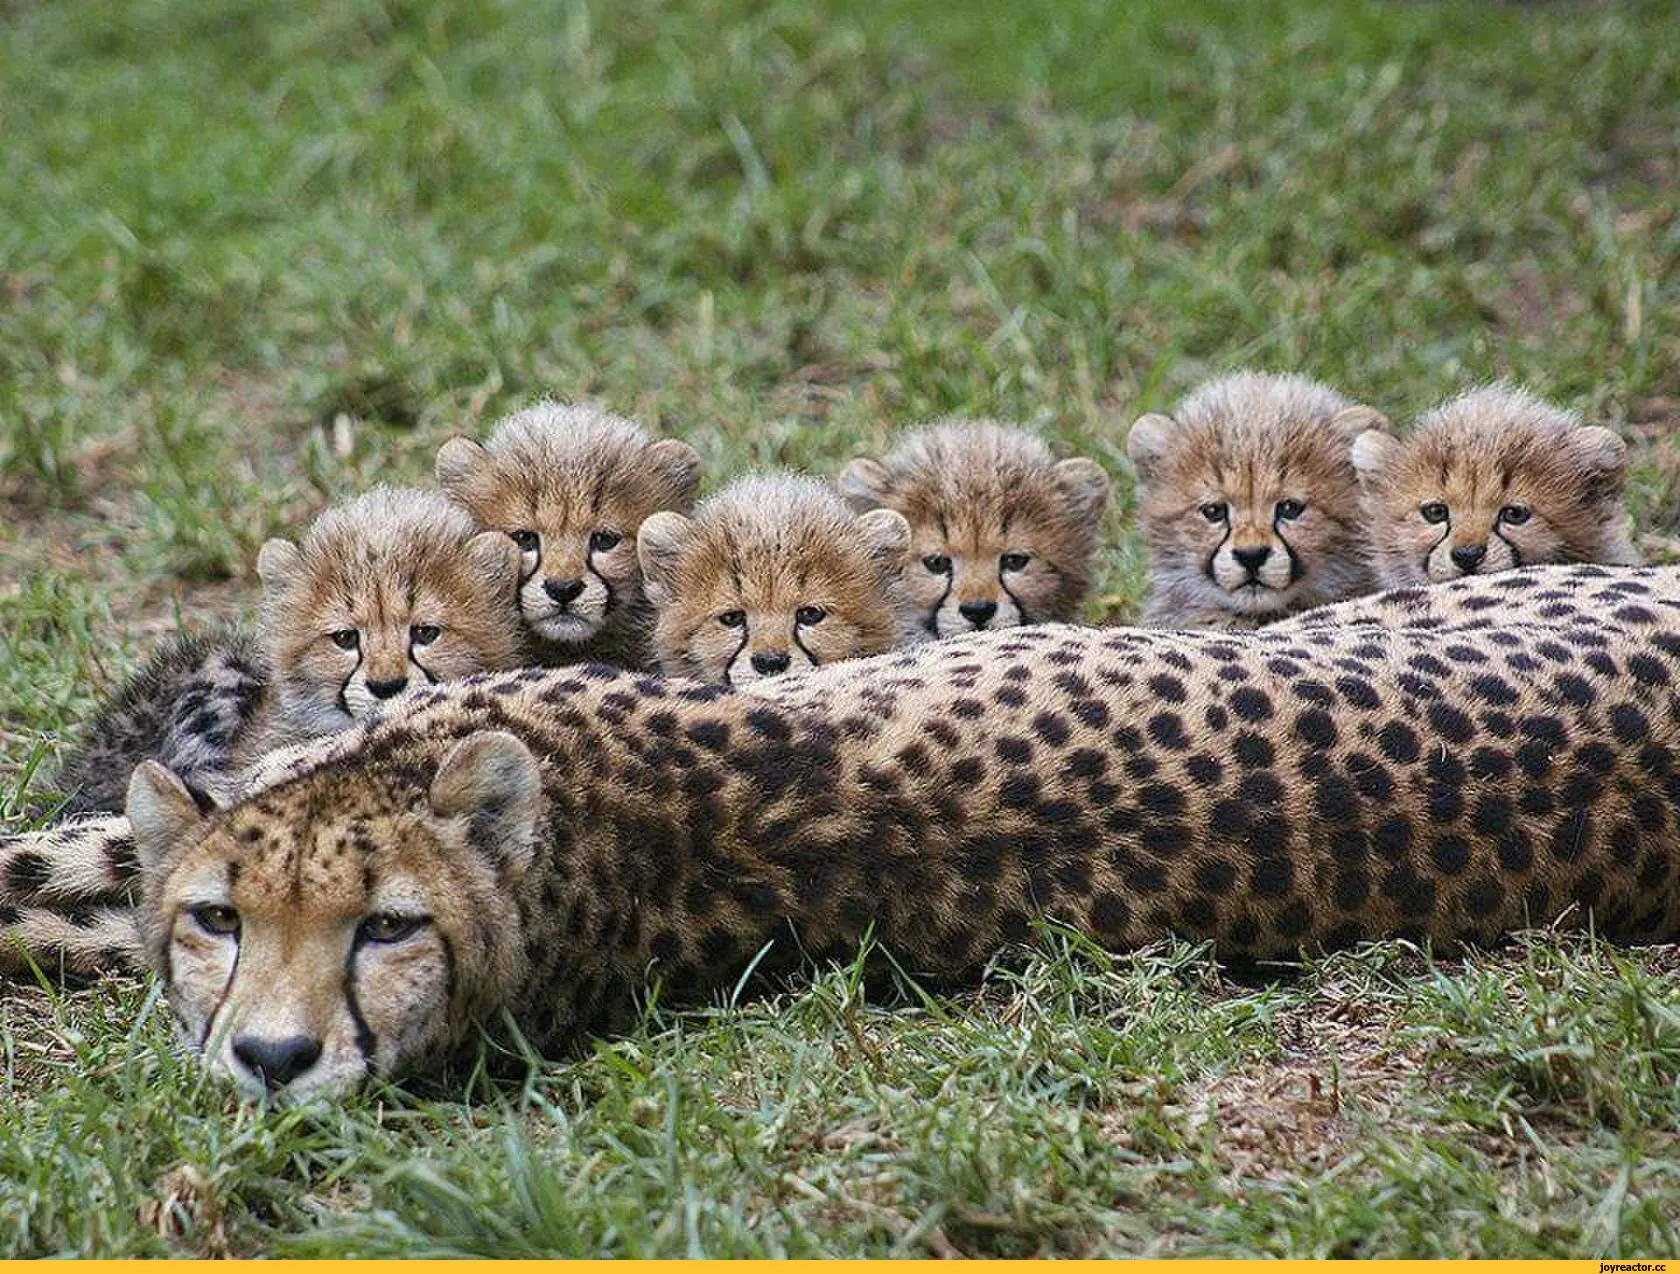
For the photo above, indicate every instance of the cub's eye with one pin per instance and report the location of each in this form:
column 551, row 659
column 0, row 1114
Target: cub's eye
column 810, row 615
column 346, row 638
column 602, row 541
column 1213, row 511
column 222, row 922
column 1515, row 514
column 527, row 540
column 424, row 634
column 1434, row 511
column 732, row 618
column 1289, row 510
column 1014, row 561
column 389, row 926
column 937, row 564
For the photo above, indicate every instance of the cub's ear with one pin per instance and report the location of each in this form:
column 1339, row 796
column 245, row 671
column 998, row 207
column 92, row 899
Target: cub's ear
column 163, row 814
column 493, row 784
column 1147, row 442
column 888, row 535
column 493, row 557
column 678, row 467
column 864, row 484
column 1600, row 448
column 1086, row 486
column 1372, row 452
column 279, row 562
column 1352, row 421
column 659, row 548
column 457, row 461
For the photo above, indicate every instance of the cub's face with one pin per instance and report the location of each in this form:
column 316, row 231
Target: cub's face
column 1256, row 523
column 737, row 612
column 351, row 628
column 1448, row 502
column 305, row 948
column 575, row 525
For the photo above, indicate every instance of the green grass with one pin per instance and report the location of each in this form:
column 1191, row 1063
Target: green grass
column 253, row 261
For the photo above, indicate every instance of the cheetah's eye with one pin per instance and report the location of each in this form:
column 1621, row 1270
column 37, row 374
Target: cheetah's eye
column 527, row 540
column 808, row 615
column 1515, row 514
column 1289, row 510
column 389, row 926
column 603, row 541
column 346, row 638
column 1014, row 561
column 1434, row 511
column 424, row 634
column 937, row 564
column 1213, row 510
column 222, row 922
column 733, row 618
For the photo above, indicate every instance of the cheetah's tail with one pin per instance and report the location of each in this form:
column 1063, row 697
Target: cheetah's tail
column 84, row 863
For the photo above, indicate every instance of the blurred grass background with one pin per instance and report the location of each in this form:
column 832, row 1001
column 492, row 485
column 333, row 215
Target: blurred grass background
column 256, row 257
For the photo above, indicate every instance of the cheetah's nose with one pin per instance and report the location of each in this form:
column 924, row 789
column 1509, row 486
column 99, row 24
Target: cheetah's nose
column 563, row 591
column 385, row 689
column 1467, row 557
column 977, row 613
column 277, row 1062
column 1251, row 560
column 767, row 663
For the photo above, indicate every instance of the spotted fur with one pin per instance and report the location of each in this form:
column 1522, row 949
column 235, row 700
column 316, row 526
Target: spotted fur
column 572, row 484
column 1249, row 502
column 773, row 572
column 1491, row 480
column 539, row 843
column 1001, row 532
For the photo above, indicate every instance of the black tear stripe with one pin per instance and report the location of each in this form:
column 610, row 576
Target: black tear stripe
column 797, row 641
column 431, row 679
column 1295, row 571
column 729, row 664
column 366, row 1041
column 931, row 623
column 344, row 686
column 1207, row 566
column 1020, row 610
column 589, row 565
column 1516, row 553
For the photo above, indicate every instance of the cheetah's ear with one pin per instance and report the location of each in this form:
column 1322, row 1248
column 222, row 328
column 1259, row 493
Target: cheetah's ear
column 1352, row 421
column 1600, row 448
column 659, row 549
column 1086, row 485
column 493, row 557
column 1147, row 442
column 493, row 785
column 164, row 815
column 1372, row 452
column 888, row 535
column 678, row 466
column 864, row 484
column 279, row 562
column 457, row 460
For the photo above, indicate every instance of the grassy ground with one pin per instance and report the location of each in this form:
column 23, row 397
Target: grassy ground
column 250, row 262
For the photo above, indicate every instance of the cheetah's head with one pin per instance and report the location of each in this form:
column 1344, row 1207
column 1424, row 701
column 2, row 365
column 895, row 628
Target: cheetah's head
column 331, row 929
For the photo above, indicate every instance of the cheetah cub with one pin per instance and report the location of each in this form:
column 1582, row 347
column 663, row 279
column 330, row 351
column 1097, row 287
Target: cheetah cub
column 1249, row 501
column 392, row 589
column 1001, row 532
column 571, row 485
column 772, row 573
column 1491, row 480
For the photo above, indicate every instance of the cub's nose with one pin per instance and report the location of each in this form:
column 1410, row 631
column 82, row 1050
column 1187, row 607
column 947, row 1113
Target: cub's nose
column 563, row 591
column 767, row 663
column 385, row 689
column 1251, row 560
column 279, row 1061
column 977, row 613
column 1467, row 557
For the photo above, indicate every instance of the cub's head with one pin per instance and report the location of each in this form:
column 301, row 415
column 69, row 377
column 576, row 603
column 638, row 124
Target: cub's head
column 1001, row 532
column 571, row 485
column 393, row 589
column 772, row 573
column 1248, row 498
column 335, row 927
column 1493, row 479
